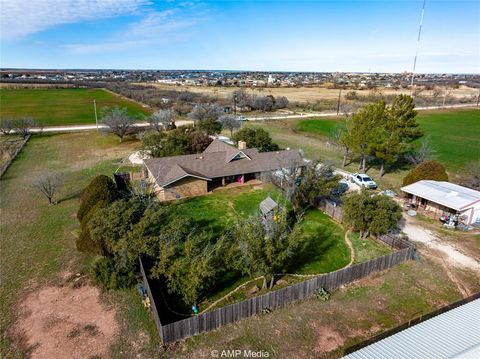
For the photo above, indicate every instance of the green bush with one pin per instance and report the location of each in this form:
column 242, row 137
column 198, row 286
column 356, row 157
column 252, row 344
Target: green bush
column 428, row 170
column 106, row 272
column 99, row 193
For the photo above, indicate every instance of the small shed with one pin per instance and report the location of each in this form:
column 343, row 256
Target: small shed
column 267, row 207
column 439, row 198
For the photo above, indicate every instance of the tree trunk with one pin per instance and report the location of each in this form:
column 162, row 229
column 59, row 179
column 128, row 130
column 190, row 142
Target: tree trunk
column 382, row 172
column 264, row 285
column 272, row 281
column 344, row 160
column 364, row 163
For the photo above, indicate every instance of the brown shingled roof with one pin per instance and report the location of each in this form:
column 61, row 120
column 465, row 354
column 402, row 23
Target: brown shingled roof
column 213, row 163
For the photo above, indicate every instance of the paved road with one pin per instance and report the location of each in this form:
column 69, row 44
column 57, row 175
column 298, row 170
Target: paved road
column 333, row 114
column 76, row 128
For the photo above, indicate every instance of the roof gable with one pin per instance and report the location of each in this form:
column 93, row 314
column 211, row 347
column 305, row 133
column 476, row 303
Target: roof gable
column 218, row 146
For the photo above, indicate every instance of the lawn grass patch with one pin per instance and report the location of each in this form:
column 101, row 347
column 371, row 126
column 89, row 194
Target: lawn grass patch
column 367, row 249
column 61, row 106
column 323, row 127
column 38, row 240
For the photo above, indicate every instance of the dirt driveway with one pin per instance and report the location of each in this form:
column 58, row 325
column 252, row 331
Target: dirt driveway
column 418, row 233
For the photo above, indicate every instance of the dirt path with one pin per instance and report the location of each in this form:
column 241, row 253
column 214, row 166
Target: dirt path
column 416, row 232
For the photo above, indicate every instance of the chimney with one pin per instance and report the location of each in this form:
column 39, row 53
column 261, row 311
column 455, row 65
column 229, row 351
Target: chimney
column 242, row 145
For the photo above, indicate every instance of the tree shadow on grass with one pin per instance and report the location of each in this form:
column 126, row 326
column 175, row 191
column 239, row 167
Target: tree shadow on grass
column 70, row 196
column 314, row 250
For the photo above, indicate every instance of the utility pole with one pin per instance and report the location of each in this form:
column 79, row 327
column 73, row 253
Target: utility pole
column 95, row 109
column 338, row 103
column 478, row 98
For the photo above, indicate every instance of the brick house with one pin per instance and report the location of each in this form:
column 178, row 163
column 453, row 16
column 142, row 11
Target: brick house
column 220, row 164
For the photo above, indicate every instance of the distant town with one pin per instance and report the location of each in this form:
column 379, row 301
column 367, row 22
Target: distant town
column 351, row 80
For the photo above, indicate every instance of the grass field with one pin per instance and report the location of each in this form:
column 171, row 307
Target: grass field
column 38, row 241
column 453, row 135
column 61, row 106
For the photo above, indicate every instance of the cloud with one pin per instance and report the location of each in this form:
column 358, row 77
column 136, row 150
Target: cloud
column 20, row 18
column 154, row 28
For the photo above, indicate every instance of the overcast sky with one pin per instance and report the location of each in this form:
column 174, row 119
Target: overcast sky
column 377, row 36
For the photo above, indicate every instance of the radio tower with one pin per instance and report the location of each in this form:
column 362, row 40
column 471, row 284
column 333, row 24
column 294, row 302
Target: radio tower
column 418, row 42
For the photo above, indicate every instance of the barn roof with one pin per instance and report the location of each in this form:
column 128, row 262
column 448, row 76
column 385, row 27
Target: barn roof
column 453, row 334
column 445, row 193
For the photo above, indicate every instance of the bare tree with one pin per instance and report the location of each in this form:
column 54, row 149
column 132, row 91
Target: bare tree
column 117, row 121
column 341, row 137
column 205, row 112
column 7, row 125
column 281, row 102
column 48, row 185
column 230, row 122
column 23, row 126
column 473, row 179
column 423, row 153
column 241, row 99
column 162, row 120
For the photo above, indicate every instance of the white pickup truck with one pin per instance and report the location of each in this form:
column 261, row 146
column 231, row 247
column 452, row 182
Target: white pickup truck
column 363, row 180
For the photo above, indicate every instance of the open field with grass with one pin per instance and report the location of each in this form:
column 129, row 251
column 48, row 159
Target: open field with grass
column 61, row 106
column 300, row 94
column 453, row 134
column 38, row 241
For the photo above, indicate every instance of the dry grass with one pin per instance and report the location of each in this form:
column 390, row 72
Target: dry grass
column 354, row 313
column 301, row 94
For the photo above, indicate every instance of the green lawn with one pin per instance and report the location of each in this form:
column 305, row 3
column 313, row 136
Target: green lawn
column 367, row 249
column 61, row 106
column 322, row 127
column 324, row 251
column 453, row 134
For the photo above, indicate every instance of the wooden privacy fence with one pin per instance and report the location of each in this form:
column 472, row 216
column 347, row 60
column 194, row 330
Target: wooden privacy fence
column 234, row 312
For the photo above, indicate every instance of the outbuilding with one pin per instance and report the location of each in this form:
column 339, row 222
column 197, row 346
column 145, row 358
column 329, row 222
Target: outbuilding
column 445, row 198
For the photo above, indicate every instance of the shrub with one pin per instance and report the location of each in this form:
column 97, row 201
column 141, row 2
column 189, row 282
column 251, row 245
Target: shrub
column 106, row 272
column 428, row 170
column 322, row 294
column 371, row 214
column 257, row 138
column 99, row 193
